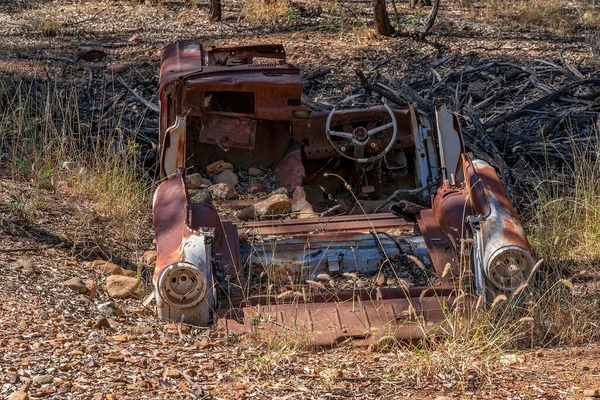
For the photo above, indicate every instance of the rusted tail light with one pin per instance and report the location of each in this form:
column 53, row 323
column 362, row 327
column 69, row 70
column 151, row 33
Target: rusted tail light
column 181, row 285
column 507, row 267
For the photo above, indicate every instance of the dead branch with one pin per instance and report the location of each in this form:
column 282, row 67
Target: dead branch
column 140, row 99
column 536, row 105
column 431, row 19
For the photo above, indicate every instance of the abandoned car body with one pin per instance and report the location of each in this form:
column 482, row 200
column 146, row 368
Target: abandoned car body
column 305, row 269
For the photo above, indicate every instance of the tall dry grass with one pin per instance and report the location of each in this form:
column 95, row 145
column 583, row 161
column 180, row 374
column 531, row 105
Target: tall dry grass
column 46, row 138
column 561, row 15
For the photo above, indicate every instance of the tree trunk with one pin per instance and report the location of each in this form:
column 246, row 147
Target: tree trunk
column 431, row 19
column 215, row 11
column 382, row 20
column 414, row 3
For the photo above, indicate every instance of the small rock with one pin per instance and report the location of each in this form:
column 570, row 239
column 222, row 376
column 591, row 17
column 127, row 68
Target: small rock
column 142, row 329
column 101, row 322
column 253, row 171
column 116, row 69
column 25, row 267
column 194, row 181
column 85, row 300
column 150, row 257
column 218, row 166
column 173, row 329
column 171, row 373
column 280, row 190
column 109, row 268
column 205, row 344
column 134, row 38
column 116, row 358
column 256, row 188
column 98, row 396
column 300, row 205
column 274, row 205
column 19, row 395
column 65, row 367
column 91, row 363
column 383, row 343
column 247, row 214
column 64, row 388
column 200, row 196
column 512, row 359
column 42, row 379
column 591, row 393
column 89, row 54
column 145, row 384
column 13, row 378
column 222, row 191
column 92, row 287
column 76, row 284
column 110, row 309
column 113, row 324
column 121, row 287
column 227, row 177
column 206, row 182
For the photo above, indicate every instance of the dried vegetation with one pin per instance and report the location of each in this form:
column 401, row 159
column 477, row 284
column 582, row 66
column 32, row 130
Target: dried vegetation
column 77, row 155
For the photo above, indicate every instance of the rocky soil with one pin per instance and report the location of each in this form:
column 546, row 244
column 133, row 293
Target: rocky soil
column 73, row 323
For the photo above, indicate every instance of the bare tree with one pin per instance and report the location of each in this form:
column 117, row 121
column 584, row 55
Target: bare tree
column 215, row 11
column 414, row 3
column 382, row 20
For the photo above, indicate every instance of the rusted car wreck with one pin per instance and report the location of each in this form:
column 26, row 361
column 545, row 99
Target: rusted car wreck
column 305, row 271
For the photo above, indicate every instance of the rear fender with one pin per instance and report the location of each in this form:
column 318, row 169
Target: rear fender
column 183, row 279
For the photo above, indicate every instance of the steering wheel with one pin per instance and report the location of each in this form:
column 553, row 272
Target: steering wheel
column 359, row 138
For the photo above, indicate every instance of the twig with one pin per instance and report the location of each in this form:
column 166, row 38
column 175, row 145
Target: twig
column 25, row 249
column 140, row 99
column 88, row 89
column 411, row 192
column 82, row 21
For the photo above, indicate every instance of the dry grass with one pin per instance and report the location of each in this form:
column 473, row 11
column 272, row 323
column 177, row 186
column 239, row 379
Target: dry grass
column 565, row 223
column 561, row 15
column 46, row 140
column 268, row 11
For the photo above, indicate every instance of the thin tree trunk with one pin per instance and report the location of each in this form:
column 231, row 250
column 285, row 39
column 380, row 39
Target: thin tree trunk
column 382, row 20
column 215, row 11
column 413, row 3
column 431, row 19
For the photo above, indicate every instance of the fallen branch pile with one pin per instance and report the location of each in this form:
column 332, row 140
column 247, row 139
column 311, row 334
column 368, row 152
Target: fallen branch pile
column 523, row 118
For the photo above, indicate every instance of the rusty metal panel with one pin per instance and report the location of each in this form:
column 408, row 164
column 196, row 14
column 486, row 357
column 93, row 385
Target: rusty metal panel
column 244, row 54
column 225, row 131
column 327, row 225
column 173, row 149
column 440, row 248
column 325, row 324
column 450, row 141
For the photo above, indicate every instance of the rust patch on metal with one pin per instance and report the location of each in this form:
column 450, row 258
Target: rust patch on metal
column 326, row 225
column 358, row 317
